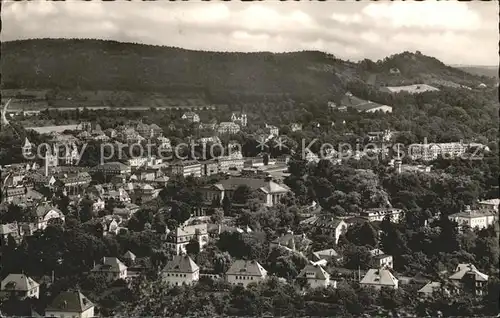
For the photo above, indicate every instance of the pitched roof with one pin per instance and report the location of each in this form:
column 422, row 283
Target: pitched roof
column 190, row 229
column 18, row 282
column 252, row 183
column 181, row 264
column 8, row 228
column 43, row 208
column 110, row 264
column 243, row 267
column 317, row 270
column 379, row 277
column 468, row 269
column 324, row 254
column 129, row 255
column 70, row 301
column 430, row 287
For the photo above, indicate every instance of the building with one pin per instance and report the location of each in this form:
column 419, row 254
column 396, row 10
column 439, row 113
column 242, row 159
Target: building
column 491, row 204
column 182, row 236
column 164, row 143
column 228, row 128
column 239, row 118
column 385, row 135
column 380, row 259
column 39, row 217
column 186, row 168
column 292, row 242
column 378, row 278
column 27, row 148
column 474, row 218
column 361, row 105
column 10, row 229
column 316, row 277
column 328, row 224
column 210, row 167
column 231, row 162
column 412, row 89
column 470, row 279
column 112, row 267
column 70, row 304
column 324, row 256
column 192, row 117
column 271, row 192
column 244, row 272
column 429, row 289
column 378, row 214
column 113, row 168
column 20, row 286
column 272, row 130
column 431, row 151
column 181, row 270
column 148, row 131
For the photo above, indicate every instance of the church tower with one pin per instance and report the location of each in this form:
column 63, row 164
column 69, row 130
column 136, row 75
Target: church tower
column 27, row 148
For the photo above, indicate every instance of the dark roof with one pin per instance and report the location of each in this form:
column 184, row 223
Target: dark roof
column 181, row 264
column 70, row 301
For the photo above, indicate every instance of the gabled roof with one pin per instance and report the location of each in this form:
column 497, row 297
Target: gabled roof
column 468, row 269
column 18, row 282
column 249, row 268
column 8, row 228
column 325, row 254
column 43, row 208
column 319, row 272
column 70, row 301
column 181, row 264
column 430, row 287
column 110, row 264
column 379, row 277
column 129, row 255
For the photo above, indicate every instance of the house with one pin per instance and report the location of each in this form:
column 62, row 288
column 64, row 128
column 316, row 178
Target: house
column 316, row 276
column 474, row 218
column 325, row 256
column 470, row 278
column 129, row 257
column 233, row 161
column 70, row 304
column 327, row 224
column 378, row 278
column 181, row 236
column 239, row 118
column 378, row 214
column 429, row 289
column 113, row 168
column 27, row 148
column 186, row 168
column 209, row 126
column 361, row 105
column 491, row 204
column 412, row 89
column 110, row 132
column 39, row 217
column 243, row 272
column 228, row 128
column 292, row 242
column 385, row 135
column 112, row 267
column 6, row 230
column 20, row 286
column 271, row 192
column 191, row 117
column 380, row 259
column 272, row 130
column 164, row 143
column 210, row 167
column 181, row 270
column 19, row 195
column 310, row 156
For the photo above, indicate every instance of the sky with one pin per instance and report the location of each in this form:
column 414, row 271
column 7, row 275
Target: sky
column 454, row 32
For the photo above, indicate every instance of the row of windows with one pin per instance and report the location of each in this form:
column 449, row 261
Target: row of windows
column 244, row 277
column 176, row 275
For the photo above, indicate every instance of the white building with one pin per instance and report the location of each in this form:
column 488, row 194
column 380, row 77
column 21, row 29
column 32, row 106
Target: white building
column 112, row 267
column 272, row 130
column 380, row 259
column 491, row 204
column 181, row 270
column 191, row 117
column 181, row 236
column 70, row 304
column 20, row 286
column 239, row 118
column 378, row 214
column 474, row 218
column 316, row 276
column 378, row 278
column 228, row 128
column 245, row 272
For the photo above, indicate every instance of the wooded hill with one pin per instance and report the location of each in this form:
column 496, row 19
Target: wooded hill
column 98, row 65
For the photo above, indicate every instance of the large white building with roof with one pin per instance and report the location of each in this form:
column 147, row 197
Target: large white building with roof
column 112, row 267
column 316, row 276
column 469, row 278
column 19, row 285
column 474, row 218
column 378, row 278
column 243, row 272
column 70, row 304
column 181, row 236
column 181, row 270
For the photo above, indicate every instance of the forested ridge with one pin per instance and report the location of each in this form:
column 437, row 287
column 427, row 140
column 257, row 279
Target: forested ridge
column 101, row 65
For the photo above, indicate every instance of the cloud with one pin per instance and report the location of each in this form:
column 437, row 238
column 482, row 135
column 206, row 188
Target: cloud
column 350, row 30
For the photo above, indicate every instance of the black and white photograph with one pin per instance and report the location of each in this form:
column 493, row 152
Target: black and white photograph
column 249, row 158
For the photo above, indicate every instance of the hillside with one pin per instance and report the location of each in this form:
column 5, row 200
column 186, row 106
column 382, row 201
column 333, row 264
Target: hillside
column 98, row 72
column 490, row 71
